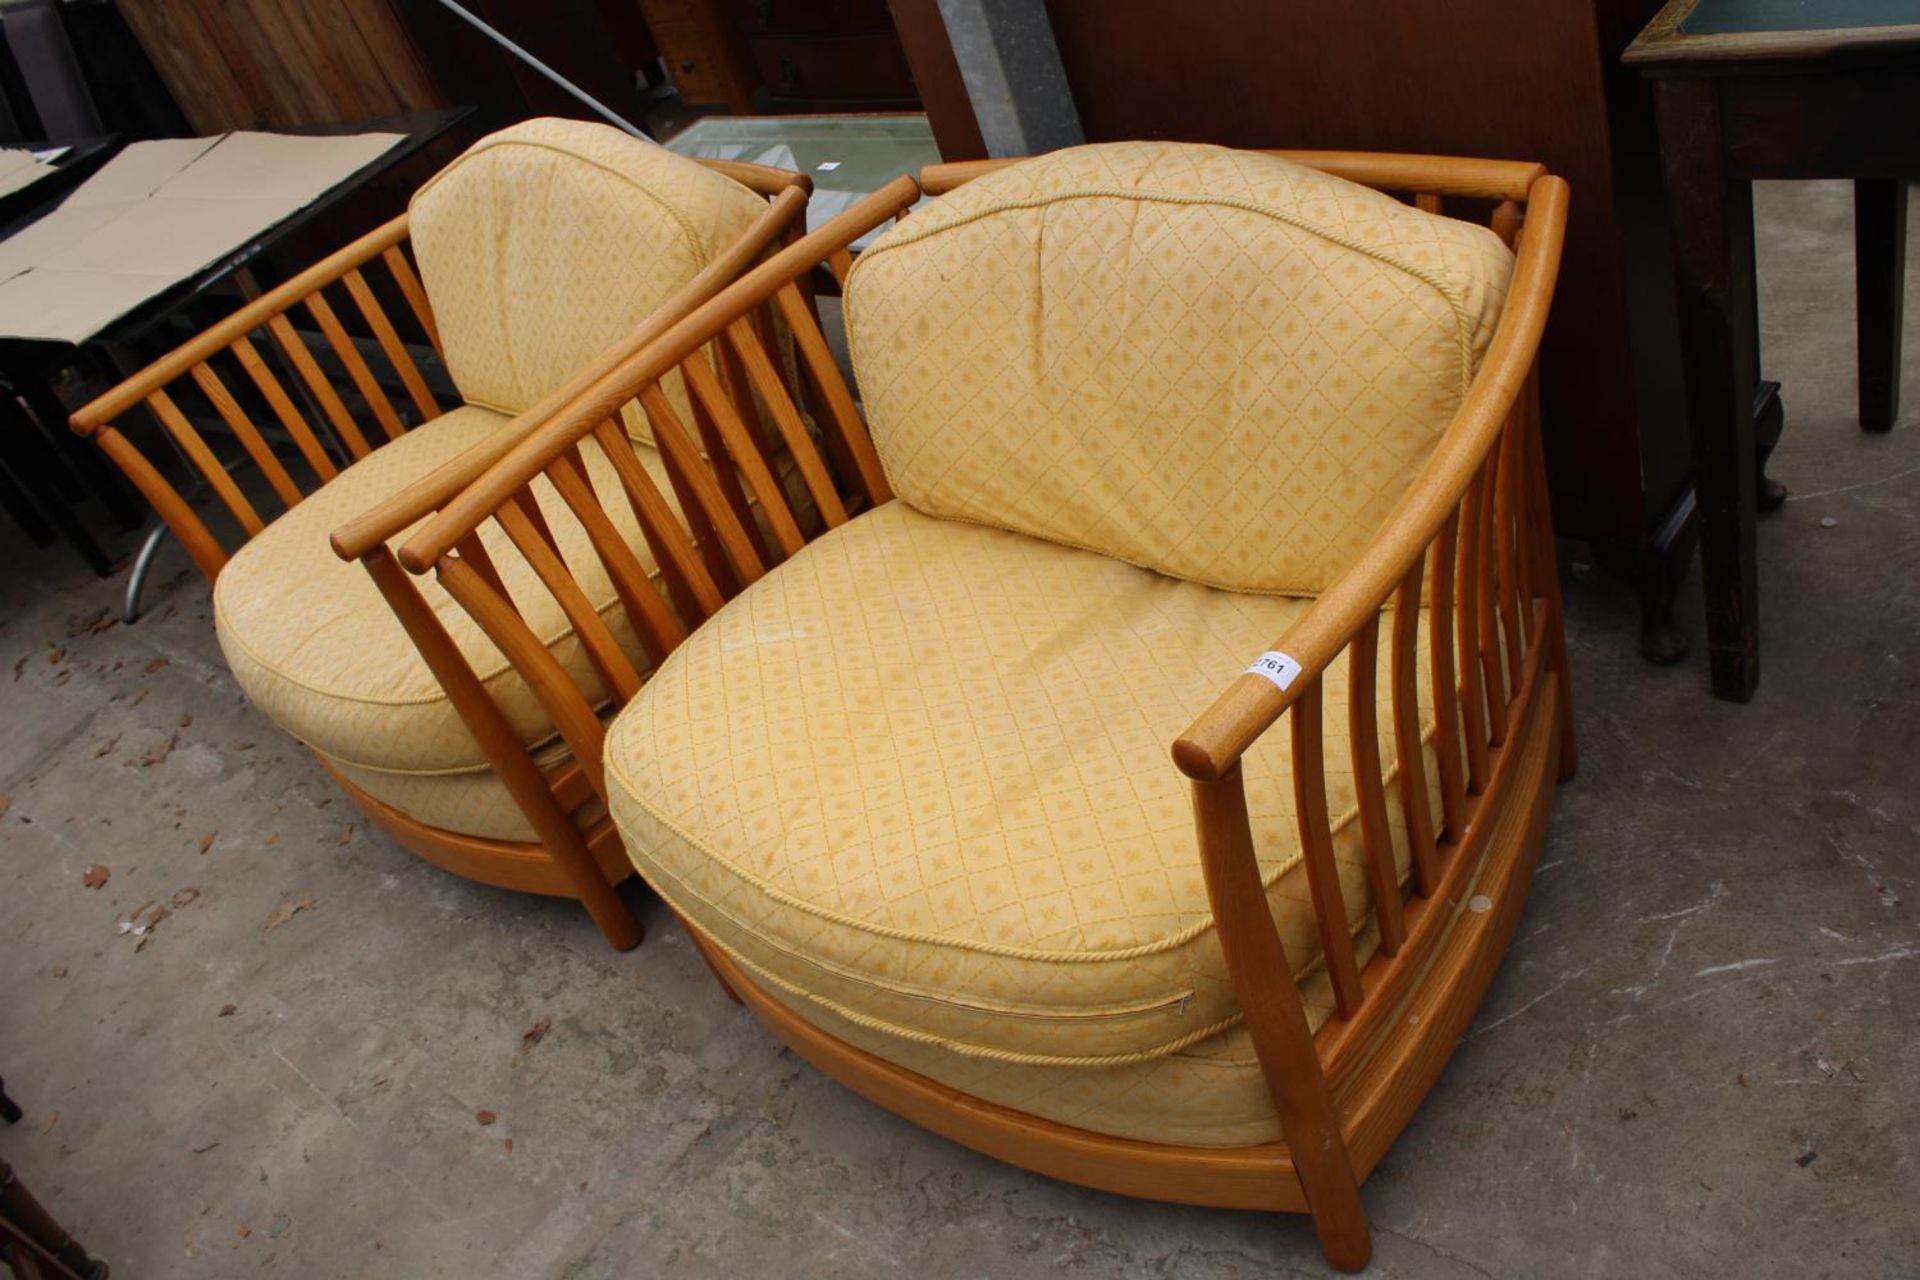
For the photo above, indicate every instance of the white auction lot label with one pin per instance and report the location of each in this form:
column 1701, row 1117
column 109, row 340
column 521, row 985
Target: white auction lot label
column 1277, row 667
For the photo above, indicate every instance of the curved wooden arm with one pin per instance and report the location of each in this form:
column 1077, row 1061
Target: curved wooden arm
column 529, row 456
column 91, row 416
column 1213, row 744
column 761, row 179
column 1438, row 175
column 438, row 487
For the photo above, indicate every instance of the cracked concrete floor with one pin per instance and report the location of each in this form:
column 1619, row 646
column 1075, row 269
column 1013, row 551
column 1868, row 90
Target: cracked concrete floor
column 1699, row 1059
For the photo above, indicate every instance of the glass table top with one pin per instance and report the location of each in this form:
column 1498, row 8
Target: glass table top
column 848, row 156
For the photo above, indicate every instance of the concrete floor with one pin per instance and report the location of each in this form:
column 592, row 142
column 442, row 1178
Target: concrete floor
column 1699, row 1059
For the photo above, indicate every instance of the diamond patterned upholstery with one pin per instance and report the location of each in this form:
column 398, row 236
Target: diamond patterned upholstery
column 316, row 647
column 546, row 242
column 1213, row 363
column 919, row 773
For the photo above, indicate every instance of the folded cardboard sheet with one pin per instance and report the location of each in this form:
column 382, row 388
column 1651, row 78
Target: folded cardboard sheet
column 155, row 215
column 20, row 169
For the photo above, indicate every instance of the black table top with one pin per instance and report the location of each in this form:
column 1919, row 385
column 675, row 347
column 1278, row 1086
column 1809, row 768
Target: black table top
column 81, row 158
column 418, row 129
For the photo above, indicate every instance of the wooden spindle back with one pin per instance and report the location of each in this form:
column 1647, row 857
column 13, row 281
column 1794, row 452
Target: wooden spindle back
column 1464, row 567
column 766, row 451
column 257, row 368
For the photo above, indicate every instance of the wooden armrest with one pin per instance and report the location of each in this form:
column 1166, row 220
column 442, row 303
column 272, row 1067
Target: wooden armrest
column 1439, row 175
column 761, row 179
column 1215, row 741
column 436, row 489
column 223, row 369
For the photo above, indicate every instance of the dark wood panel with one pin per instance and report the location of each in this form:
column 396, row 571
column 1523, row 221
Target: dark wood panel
column 841, row 72
column 704, row 55
column 810, row 17
column 188, row 64
column 254, row 64
column 936, row 76
column 1467, row 78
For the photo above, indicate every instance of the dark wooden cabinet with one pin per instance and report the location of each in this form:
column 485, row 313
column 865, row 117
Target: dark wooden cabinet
column 276, row 66
column 825, row 55
column 705, row 57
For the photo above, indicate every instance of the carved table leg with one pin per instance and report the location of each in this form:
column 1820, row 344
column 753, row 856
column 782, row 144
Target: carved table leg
column 1711, row 214
column 1769, row 419
column 1656, row 573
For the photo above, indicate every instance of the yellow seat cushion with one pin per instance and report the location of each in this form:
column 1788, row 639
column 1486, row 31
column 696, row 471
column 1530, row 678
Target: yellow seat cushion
column 547, row 242
column 1207, row 1094
column 317, row 648
column 469, row 802
column 917, row 779
column 1213, row 363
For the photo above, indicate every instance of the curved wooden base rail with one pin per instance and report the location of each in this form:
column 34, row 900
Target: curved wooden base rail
column 1466, row 555
column 519, row 866
column 255, row 370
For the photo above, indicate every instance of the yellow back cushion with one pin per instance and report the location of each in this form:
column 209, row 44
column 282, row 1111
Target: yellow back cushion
column 1212, row 363
column 546, row 242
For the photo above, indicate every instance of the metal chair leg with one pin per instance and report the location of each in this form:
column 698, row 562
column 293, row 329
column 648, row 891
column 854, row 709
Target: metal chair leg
column 142, row 565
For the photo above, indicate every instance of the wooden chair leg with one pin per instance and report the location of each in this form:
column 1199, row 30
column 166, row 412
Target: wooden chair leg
column 504, row 751
column 1278, row 1022
column 14, row 501
column 1880, row 259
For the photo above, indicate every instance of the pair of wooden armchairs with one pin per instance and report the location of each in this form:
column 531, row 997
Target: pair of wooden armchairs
column 883, row 701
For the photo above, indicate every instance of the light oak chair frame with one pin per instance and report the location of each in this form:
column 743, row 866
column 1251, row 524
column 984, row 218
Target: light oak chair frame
column 316, row 418
column 1471, row 538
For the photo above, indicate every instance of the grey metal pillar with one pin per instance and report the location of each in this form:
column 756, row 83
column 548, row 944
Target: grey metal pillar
column 1011, row 67
column 51, row 69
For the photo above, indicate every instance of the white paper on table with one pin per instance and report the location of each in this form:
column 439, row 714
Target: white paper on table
column 156, row 214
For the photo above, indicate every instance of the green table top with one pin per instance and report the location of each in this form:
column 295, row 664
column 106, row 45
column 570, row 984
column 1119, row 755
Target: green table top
column 1726, row 17
column 1774, row 37
column 847, row 156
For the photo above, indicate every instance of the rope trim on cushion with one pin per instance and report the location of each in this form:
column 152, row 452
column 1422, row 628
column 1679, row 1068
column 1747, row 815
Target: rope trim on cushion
column 968, row 1049
column 689, row 236
column 907, row 233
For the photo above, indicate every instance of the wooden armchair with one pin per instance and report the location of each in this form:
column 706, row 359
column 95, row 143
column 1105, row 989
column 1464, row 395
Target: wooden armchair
column 1149, row 410
column 543, row 256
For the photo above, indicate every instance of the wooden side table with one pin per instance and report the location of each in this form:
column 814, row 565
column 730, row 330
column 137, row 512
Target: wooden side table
column 1745, row 89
